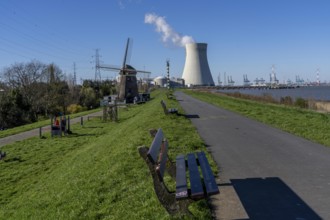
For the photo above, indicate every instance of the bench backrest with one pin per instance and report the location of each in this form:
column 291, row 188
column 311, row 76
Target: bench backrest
column 157, row 153
column 164, row 107
column 2, row 154
column 155, row 146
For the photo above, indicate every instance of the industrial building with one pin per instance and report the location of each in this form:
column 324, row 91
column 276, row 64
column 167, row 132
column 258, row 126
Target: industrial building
column 161, row 81
column 196, row 70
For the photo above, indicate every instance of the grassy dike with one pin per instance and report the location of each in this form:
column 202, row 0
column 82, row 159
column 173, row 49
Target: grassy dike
column 304, row 123
column 97, row 172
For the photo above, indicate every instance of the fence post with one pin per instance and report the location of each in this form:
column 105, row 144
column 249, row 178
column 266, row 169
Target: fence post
column 81, row 121
column 69, row 124
column 40, row 132
column 116, row 111
column 61, row 124
column 51, row 126
column 105, row 112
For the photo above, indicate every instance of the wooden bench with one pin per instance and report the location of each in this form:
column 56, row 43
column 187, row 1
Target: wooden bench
column 142, row 98
column 168, row 110
column 139, row 100
column 145, row 96
column 202, row 184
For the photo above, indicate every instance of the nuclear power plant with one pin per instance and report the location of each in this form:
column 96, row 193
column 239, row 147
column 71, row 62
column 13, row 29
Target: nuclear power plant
column 196, row 70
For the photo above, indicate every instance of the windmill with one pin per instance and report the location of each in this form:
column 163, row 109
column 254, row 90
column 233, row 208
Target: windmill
column 128, row 87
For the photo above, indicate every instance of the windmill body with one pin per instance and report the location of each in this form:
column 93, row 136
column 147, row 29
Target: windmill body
column 128, row 87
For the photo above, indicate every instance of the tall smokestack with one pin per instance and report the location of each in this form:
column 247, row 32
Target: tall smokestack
column 196, row 69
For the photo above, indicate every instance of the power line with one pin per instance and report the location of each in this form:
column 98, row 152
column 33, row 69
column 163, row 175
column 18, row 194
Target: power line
column 29, row 48
column 22, row 29
column 25, row 36
column 10, row 52
column 24, row 22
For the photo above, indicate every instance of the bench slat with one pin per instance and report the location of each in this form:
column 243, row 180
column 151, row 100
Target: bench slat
column 209, row 180
column 194, row 177
column 162, row 160
column 181, row 181
column 155, row 146
column 172, row 110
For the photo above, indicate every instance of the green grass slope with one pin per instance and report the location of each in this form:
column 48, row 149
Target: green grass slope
column 97, row 172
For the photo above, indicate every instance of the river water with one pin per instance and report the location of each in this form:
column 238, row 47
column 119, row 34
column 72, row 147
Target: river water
column 317, row 93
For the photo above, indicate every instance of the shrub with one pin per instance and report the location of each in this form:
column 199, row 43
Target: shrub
column 300, row 102
column 266, row 97
column 75, row 108
column 312, row 104
column 287, row 100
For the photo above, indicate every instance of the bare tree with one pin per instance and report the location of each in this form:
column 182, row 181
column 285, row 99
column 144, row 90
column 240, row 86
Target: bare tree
column 26, row 78
column 37, row 84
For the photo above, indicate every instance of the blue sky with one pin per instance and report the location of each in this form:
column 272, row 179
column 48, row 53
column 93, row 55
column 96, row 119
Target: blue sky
column 243, row 36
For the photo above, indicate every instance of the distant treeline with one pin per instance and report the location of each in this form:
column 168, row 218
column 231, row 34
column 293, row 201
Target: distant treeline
column 33, row 90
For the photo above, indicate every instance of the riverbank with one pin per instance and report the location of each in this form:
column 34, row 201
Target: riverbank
column 309, row 103
column 312, row 94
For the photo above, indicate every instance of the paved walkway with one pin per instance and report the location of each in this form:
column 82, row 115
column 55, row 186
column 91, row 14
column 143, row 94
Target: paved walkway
column 264, row 173
column 35, row 132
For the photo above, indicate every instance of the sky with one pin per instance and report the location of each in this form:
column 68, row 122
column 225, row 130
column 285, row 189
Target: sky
column 244, row 37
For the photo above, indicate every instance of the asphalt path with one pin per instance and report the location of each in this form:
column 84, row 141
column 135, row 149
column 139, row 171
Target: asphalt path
column 35, row 132
column 265, row 173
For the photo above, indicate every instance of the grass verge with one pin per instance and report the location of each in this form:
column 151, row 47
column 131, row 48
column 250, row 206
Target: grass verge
column 308, row 124
column 27, row 127
column 95, row 173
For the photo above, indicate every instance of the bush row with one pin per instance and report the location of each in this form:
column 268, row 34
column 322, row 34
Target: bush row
column 267, row 98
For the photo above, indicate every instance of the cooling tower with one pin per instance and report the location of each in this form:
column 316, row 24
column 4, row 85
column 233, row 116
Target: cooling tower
column 196, row 69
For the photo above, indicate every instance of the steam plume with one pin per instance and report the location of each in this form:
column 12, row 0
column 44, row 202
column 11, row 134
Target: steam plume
column 168, row 34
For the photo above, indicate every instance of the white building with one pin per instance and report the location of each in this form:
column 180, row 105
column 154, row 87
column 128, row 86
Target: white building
column 160, row 81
